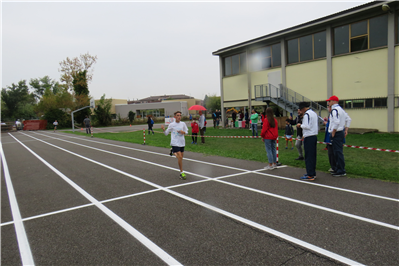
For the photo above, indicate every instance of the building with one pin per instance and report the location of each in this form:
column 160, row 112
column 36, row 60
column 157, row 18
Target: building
column 113, row 104
column 353, row 54
column 156, row 109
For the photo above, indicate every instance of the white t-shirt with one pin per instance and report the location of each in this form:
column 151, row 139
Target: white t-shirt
column 55, row 123
column 177, row 139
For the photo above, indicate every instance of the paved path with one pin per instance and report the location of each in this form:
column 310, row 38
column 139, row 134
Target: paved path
column 74, row 200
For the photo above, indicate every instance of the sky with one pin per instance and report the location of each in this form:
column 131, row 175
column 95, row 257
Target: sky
column 143, row 48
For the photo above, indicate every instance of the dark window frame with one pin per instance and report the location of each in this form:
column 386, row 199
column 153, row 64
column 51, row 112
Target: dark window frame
column 299, row 48
column 241, row 69
column 252, row 52
column 357, row 37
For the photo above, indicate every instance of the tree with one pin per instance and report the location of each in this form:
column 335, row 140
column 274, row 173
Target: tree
column 212, row 102
column 17, row 102
column 131, row 115
column 39, row 86
column 72, row 67
column 82, row 98
column 103, row 111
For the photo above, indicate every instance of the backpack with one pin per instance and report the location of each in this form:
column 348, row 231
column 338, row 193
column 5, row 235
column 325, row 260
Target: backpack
column 152, row 122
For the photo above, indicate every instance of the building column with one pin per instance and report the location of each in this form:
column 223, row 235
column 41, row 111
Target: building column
column 391, row 72
column 283, row 63
column 222, row 109
column 249, row 80
column 329, row 61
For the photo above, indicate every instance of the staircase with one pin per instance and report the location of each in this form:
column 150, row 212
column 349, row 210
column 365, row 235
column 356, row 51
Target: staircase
column 285, row 98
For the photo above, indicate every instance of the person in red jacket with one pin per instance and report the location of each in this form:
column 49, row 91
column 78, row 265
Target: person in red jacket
column 194, row 130
column 269, row 135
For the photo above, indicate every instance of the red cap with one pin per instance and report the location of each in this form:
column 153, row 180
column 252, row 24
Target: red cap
column 333, row 98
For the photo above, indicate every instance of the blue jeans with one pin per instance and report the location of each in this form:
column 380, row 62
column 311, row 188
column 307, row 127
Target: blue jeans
column 337, row 144
column 254, row 129
column 270, row 145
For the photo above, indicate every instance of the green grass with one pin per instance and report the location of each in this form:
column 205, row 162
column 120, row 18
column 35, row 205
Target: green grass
column 359, row 163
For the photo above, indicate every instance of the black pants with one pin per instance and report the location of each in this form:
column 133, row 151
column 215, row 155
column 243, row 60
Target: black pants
column 194, row 138
column 331, row 158
column 310, row 145
column 88, row 131
column 337, row 143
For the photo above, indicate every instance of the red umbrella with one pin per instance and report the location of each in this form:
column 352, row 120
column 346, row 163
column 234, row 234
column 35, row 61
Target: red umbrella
column 197, row 108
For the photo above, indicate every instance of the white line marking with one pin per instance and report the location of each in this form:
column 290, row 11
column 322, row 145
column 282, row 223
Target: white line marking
column 244, row 170
column 233, row 216
column 225, row 182
column 140, row 237
column 22, row 238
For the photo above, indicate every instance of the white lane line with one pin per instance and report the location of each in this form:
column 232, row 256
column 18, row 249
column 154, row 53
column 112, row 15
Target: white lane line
column 244, row 170
column 140, row 237
column 22, row 238
column 228, row 183
column 299, row 242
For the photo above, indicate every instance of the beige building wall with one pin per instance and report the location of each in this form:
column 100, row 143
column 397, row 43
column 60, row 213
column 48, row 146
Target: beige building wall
column 113, row 103
column 396, row 127
column 308, row 79
column 259, row 78
column 369, row 118
column 361, row 75
column 190, row 102
column 235, row 88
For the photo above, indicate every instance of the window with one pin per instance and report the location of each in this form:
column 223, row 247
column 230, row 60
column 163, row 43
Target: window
column 266, row 57
column 369, row 103
column 397, row 30
column 364, row 103
column 307, row 48
column 362, row 35
column 234, row 65
column 380, row 102
column 358, row 103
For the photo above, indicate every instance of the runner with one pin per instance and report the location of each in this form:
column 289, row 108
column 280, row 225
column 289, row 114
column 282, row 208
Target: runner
column 177, row 141
column 55, row 123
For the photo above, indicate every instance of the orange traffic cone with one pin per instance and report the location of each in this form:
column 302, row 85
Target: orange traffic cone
column 81, row 128
column 130, row 125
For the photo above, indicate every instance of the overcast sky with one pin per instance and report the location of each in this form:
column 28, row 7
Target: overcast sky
column 143, row 48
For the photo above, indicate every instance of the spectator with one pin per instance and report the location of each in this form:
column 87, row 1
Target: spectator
column 234, row 117
column 201, row 121
column 327, row 139
column 178, row 130
column 214, row 118
column 218, row 117
column 310, row 131
column 289, row 132
column 254, row 123
column 339, row 125
column 246, row 119
column 150, row 123
column 269, row 135
column 241, row 116
column 299, row 135
column 194, row 131
column 87, row 124
column 191, row 118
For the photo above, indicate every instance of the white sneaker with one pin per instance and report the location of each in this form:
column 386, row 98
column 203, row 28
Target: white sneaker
column 274, row 165
column 268, row 167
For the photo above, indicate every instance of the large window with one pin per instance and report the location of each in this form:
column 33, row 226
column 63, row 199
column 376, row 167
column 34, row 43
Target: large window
column 266, row 57
column 307, row 48
column 362, row 35
column 234, row 65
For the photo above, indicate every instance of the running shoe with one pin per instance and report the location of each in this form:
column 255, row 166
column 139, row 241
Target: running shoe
column 306, row 177
column 171, row 152
column 336, row 175
column 183, row 176
column 268, row 167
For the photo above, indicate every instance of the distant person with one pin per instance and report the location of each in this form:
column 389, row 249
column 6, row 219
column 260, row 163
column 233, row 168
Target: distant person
column 246, row 119
column 87, row 124
column 289, row 132
column 234, row 117
column 241, row 116
column 214, row 118
column 218, row 117
column 191, row 118
column 327, row 139
column 299, row 135
column 339, row 125
column 194, row 131
column 178, row 130
column 55, row 124
column 254, row 123
column 150, row 123
column 310, row 131
column 269, row 135
column 202, row 127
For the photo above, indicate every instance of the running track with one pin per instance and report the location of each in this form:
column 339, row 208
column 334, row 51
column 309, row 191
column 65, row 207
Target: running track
column 73, row 200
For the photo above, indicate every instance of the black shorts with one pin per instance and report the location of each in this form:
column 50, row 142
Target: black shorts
column 177, row 149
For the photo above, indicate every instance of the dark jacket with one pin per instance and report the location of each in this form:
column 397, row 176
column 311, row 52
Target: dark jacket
column 297, row 120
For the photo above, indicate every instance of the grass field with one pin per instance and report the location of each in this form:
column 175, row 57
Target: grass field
column 359, row 163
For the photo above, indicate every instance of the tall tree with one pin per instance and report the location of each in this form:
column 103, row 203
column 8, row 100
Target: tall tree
column 212, row 102
column 39, row 85
column 71, row 67
column 17, row 101
column 103, row 111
